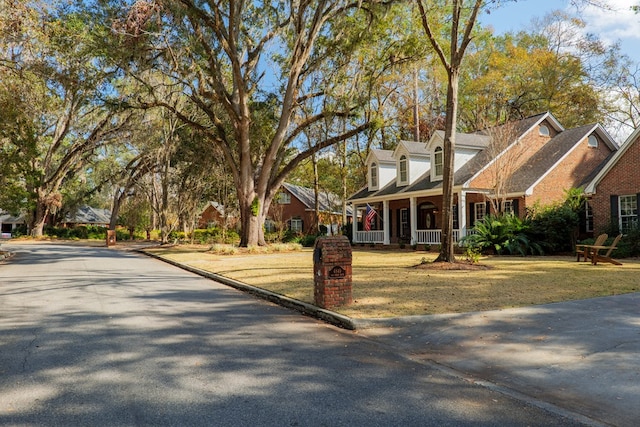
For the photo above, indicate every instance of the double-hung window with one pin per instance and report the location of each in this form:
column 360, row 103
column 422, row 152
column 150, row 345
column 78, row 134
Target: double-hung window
column 374, row 175
column 588, row 213
column 284, row 198
column 479, row 210
column 438, row 162
column 296, row 225
column 628, row 213
column 403, row 169
column 507, row 207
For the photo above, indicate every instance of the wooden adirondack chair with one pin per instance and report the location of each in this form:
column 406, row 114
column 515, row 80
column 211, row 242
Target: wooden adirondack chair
column 585, row 250
column 596, row 256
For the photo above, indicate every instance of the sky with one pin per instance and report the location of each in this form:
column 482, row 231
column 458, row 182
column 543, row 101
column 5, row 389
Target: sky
column 618, row 24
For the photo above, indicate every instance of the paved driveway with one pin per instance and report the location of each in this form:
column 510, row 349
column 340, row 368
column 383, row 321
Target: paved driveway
column 102, row 337
column 581, row 355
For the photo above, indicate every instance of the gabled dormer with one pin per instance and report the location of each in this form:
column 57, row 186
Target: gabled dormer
column 412, row 161
column 381, row 169
column 466, row 147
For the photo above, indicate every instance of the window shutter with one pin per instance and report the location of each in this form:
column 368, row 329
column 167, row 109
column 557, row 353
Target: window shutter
column 514, row 203
column 456, row 217
column 390, row 222
column 638, row 207
column 472, row 215
column 487, row 209
column 615, row 223
column 398, row 215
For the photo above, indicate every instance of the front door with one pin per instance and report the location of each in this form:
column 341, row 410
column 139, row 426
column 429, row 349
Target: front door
column 427, row 216
column 404, row 223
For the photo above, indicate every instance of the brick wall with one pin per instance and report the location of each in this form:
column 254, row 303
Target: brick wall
column 622, row 179
column 528, row 146
column 570, row 173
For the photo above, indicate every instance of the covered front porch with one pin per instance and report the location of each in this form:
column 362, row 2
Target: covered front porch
column 413, row 221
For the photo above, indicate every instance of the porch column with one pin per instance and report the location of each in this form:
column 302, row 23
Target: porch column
column 413, row 214
column 462, row 213
column 354, row 222
column 385, row 222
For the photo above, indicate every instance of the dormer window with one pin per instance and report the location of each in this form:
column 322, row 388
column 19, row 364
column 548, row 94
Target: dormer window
column 403, row 169
column 374, row 175
column 438, row 161
column 592, row 141
column 544, row 130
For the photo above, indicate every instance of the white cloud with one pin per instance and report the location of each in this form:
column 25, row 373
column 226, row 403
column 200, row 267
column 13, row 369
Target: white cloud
column 619, row 23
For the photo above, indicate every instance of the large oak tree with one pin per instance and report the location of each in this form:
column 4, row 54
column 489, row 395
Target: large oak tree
column 250, row 69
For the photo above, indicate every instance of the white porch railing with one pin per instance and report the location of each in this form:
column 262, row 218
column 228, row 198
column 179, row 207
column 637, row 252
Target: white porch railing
column 433, row 237
column 373, row 236
column 424, row 237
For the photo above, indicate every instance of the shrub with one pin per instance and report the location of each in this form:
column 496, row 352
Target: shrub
column 291, row 236
column 629, row 245
column 308, row 240
column 502, row 234
column 223, row 249
column 555, row 227
column 347, row 230
column 207, row 236
column 176, row 236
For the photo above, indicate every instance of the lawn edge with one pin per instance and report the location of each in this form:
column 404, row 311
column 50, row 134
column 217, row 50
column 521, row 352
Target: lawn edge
column 307, row 309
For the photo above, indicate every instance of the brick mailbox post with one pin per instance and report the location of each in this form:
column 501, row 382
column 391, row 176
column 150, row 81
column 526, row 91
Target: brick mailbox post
column 332, row 271
column 111, row 238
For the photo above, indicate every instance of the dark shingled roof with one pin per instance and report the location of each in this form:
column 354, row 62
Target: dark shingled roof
column 419, row 148
column 529, row 173
column 89, row 215
column 478, row 139
column 329, row 202
column 546, row 157
column 363, row 193
column 384, row 155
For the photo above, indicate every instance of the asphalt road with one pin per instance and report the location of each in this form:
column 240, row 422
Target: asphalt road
column 103, row 337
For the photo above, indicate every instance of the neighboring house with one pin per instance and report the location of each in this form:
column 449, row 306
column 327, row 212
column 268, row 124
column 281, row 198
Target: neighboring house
column 8, row 223
column 86, row 215
column 614, row 191
column 294, row 209
column 509, row 168
column 214, row 216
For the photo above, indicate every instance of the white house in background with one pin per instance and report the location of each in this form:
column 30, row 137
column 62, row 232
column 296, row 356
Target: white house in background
column 8, row 223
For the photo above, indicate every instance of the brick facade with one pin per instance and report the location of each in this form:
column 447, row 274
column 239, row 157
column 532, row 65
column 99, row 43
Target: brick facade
column 570, row 173
column 282, row 213
column 623, row 178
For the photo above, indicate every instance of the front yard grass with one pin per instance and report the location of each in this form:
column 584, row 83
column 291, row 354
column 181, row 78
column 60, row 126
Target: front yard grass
column 387, row 283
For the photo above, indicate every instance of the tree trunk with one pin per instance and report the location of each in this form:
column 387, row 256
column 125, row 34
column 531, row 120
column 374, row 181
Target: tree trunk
column 316, row 196
column 115, row 210
column 253, row 216
column 40, row 215
column 446, row 243
column 37, row 225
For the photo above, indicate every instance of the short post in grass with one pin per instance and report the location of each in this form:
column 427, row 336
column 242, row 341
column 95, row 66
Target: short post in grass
column 332, row 272
column 111, row 238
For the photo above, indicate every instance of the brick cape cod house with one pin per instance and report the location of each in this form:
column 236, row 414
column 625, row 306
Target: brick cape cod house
column 293, row 209
column 217, row 215
column 513, row 167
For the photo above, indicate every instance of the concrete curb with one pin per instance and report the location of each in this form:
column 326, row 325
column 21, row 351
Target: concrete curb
column 284, row 301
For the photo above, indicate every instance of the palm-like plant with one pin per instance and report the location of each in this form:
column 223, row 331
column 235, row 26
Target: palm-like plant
column 502, row 234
